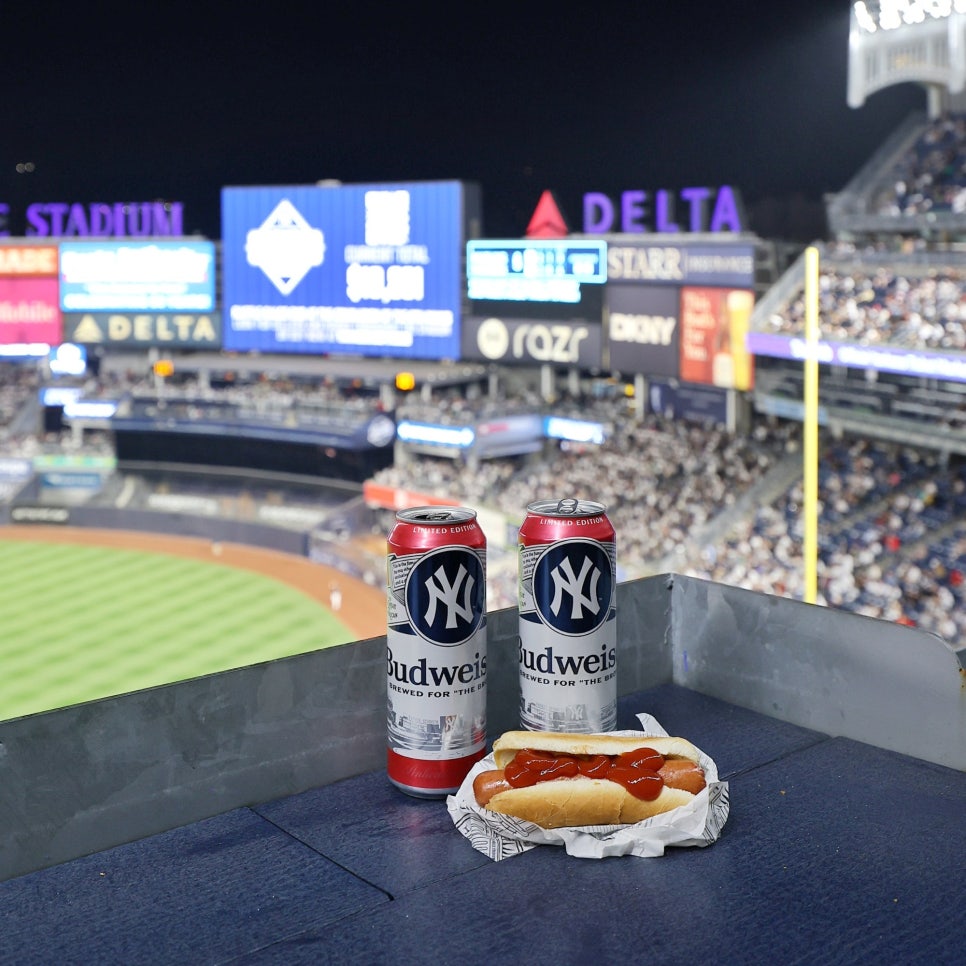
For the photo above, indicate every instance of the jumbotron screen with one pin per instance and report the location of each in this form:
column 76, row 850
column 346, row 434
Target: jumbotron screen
column 355, row 269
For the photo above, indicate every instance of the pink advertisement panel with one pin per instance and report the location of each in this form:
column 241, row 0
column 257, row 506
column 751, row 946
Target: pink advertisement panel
column 29, row 311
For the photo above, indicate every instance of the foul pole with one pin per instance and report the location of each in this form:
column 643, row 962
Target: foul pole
column 810, row 447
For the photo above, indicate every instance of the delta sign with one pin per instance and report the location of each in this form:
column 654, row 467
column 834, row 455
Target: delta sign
column 696, row 209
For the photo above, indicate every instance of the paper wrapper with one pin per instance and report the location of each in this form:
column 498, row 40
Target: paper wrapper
column 500, row 836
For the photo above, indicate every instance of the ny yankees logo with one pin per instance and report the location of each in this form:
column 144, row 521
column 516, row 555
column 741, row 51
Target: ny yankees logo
column 564, row 581
column 441, row 591
column 445, row 595
column 580, row 570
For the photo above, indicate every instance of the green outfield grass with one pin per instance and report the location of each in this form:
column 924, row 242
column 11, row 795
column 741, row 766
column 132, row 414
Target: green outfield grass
column 79, row 623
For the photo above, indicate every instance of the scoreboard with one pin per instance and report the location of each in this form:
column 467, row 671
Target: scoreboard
column 531, row 270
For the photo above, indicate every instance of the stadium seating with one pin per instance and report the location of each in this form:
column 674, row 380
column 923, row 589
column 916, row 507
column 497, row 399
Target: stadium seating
column 866, row 302
column 930, row 176
column 682, row 496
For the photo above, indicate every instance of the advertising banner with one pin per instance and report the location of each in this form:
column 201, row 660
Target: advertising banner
column 159, row 276
column 358, row 269
column 38, row 513
column 555, row 279
column 882, row 358
column 13, row 468
column 642, row 329
column 713, row 341
column 179, row 330
column 529, row 342
column 698, row 209
column 29, row 311
column 71, row 481
column 657, row 263
column 509, row 436
column 676, row 400
column 38, row 260
column 393, row 498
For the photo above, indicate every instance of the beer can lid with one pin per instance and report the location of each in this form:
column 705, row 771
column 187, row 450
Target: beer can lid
column 566, row 508
column 436, row 514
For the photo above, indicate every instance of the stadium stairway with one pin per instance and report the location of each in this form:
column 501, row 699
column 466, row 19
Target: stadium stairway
column 772, row 485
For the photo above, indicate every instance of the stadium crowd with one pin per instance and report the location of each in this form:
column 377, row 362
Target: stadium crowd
column 881, row 307
column 659, row 478
column 18, row 383
column 931, row 175
column 867, row 297
column 893, row 519
column 892, row 538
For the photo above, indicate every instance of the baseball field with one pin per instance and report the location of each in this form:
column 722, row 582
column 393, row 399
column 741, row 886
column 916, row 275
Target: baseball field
column 85, row 614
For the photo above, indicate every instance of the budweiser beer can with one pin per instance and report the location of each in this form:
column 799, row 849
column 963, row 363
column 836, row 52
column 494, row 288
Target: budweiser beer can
column 568, row 618
column 436, row 649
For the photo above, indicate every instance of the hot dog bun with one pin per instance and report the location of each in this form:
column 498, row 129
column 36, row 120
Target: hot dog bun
column 584, row 801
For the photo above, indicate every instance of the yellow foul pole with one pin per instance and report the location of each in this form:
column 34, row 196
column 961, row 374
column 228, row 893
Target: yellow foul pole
column 810, row 448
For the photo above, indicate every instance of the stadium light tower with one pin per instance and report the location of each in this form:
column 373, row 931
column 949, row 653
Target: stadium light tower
column 897, row 41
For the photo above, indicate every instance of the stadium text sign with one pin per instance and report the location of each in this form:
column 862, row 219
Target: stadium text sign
column 681, row 310
column 122, row 219
column 640, row 212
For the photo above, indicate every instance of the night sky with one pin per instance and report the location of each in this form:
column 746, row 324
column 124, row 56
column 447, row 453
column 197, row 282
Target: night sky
column 132, row 103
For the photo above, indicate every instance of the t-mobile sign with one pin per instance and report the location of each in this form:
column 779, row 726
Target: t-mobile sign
column 29, row 311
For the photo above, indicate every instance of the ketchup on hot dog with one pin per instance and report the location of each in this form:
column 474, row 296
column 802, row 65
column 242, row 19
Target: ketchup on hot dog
column 643, row 772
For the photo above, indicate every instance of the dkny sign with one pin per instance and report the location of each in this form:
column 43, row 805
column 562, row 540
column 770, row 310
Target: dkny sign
column 643, row 329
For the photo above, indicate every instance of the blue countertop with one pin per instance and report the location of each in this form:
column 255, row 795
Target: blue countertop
column 834, row 852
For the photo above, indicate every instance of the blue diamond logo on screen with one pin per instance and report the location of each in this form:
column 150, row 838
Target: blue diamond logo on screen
column 285, row 247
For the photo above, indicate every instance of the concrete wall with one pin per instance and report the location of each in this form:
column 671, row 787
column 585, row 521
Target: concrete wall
column 154, row 521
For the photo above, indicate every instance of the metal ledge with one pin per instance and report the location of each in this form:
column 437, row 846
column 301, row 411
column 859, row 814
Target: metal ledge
column 85, row 778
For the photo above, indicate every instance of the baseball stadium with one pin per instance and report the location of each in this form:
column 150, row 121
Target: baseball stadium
column 204, row 444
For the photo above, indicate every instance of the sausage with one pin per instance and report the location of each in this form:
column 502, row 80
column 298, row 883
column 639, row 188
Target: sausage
column 682, row 773
column 489, row 783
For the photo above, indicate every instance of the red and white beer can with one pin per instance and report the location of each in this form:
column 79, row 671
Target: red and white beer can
column 568, row 618
column 436, row 649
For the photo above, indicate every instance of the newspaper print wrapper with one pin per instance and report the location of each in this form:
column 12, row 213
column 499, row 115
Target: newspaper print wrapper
column 699, row 823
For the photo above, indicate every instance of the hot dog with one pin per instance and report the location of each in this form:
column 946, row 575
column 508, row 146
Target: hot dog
column 558, row 780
